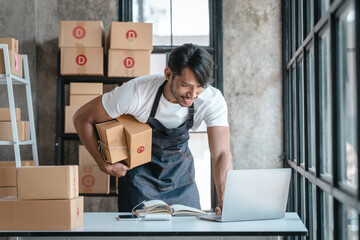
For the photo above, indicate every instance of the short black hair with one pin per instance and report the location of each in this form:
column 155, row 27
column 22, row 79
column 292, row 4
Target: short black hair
column 194, row 57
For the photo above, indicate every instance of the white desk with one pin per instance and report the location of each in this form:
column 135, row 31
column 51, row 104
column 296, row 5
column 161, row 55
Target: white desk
column 105, row 224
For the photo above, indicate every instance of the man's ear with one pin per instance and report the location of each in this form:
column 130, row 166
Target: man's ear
column 168, row 73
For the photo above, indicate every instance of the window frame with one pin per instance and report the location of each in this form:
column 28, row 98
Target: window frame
column 342, row 197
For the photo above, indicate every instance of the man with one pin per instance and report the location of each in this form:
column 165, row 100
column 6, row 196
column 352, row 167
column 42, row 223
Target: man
column 171, row 104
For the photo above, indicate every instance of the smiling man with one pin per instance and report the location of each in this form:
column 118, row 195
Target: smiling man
column 171, row 104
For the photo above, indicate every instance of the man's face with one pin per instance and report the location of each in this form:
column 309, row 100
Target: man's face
column 185, row 88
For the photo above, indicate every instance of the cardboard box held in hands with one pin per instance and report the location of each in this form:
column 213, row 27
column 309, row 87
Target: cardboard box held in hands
column 112, row 141
column 139, row 139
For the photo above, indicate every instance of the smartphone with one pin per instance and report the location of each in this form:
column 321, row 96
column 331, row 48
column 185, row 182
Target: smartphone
column 127, row 217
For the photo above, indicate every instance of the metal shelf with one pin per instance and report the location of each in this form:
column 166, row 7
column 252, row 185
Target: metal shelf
column 10, row 80
column 62, row 80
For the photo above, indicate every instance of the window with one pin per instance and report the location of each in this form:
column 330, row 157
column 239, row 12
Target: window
column 347, row 86
column 321, row 107
column 325, row 104
column 201, row 26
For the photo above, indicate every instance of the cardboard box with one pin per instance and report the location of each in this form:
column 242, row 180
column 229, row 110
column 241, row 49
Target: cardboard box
column 48, row 182
column 15, row 59
column 5, row 114
column 139, row 138
column 85, row 157
column 22, row 215
column 22, row 128
column 93, row 180
column 7, row 176
column 12, row 43
column 128, row 63
column 8, row 172
column 7, row 192
column 81, row 34
column 79, row 100
column 113, row 143
column 86, row 88
column 129, row 35
column 69, row 114
column 82, row 61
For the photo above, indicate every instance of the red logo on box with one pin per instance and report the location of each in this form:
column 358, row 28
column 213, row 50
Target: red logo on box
column 141, row 149
column 129, row 62
column 77, row 212
column 88, row 180
column 81, row 60
column 16, row 63
column 131, row 35
column 79, row 32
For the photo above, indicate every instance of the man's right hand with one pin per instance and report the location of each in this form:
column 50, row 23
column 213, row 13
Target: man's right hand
column 84, row 120
column 117, row 169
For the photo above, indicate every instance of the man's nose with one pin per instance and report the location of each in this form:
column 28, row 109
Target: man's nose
column 192, row 93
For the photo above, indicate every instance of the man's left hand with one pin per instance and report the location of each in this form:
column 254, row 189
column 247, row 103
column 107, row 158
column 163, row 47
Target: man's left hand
column 218, row 209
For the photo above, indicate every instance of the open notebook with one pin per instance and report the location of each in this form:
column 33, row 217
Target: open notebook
column 255, row 194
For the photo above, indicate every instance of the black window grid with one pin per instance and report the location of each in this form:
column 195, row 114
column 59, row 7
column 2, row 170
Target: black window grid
column 303, row 25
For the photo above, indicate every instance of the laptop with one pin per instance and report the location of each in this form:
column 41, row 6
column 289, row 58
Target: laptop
column 254, row 194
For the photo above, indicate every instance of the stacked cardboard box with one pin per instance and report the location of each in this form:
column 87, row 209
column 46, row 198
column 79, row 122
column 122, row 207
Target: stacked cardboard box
column 80, row 94
column 91, row 178
column 14, row 57
column 47, row 199
column 23, row 127
column 112, row 139
column 82, row 45
column 125, row 139
column 8, row 177
column 130, row 49
column 138, row 139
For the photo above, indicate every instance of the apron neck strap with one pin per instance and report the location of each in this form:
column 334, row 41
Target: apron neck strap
column 191, row 112
column 157, row 99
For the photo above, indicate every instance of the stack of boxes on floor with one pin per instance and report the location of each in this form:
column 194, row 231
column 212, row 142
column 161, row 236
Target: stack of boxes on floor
column 80, row 94
column 130, row 49
column 47, row 199
column 14, row 57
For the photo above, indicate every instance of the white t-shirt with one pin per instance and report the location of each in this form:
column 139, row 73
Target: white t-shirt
column 136, row 97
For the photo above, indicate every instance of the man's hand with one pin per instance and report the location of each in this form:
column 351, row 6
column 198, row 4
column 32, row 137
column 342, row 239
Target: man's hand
column 117, row 169
column 218, row 209
column 219, row 145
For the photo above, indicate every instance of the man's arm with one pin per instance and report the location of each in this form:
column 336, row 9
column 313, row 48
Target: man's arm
column 84, row 121
column 219, row 144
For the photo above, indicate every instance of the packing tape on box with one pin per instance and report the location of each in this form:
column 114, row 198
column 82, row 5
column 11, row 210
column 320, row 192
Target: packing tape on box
column 101, row 148
column 82, row 25
column 79, row 45
column 129, row 64
column 81, row 60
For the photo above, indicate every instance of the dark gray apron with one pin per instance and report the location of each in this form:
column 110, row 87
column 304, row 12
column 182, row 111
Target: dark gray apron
column 170, row 176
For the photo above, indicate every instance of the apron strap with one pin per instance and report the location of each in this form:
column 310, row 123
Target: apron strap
column 157, row 99
column 191, row 113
